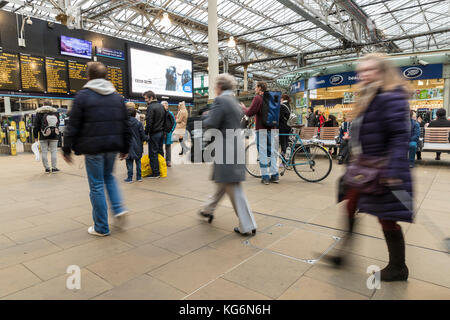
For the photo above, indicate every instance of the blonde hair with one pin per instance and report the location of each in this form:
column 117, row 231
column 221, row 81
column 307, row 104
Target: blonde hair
column 390, row 80
column 130, row 105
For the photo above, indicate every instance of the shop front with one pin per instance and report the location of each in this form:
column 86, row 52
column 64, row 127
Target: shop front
column 335, row 93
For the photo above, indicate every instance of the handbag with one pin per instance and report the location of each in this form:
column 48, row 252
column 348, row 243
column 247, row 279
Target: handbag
column 293, row 120
column 365, row 173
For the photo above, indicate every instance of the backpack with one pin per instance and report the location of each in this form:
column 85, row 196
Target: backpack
column 169, row 122
column 49, row 125
column 271, row 108
column 292, row 120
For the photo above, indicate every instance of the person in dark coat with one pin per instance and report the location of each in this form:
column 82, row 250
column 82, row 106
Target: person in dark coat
column 440, row 122
column 229, row 170
column 381, row 128
column 344, row 136
column 138, row 137
column 415, row 135
column 311, row 118
column 332, row 122
column 98, row 128
column 285, row 113
column 422, row 125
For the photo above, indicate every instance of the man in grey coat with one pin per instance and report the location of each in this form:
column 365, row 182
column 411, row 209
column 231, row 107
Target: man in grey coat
column 229, row 163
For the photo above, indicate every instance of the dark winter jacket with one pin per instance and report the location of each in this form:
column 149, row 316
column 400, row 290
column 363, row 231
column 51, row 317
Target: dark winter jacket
column 285, row 113
column 439, row 123
column 385, row 131
column 255, row 109
column 138, row 137
column 415, row 131
column 98, row 121
column 331, row 122
column 46, row 123
column 311, row 118
column 156, row 117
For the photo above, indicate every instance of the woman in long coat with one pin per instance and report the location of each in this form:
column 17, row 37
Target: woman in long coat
column 229, row 167
column 382, row 129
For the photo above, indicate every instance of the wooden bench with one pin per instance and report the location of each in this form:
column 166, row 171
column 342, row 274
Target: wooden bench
column 436, row 140
column 308, row 134
column 328, row 136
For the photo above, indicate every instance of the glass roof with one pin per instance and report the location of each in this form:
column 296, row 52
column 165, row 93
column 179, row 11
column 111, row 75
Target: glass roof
column 264, row 29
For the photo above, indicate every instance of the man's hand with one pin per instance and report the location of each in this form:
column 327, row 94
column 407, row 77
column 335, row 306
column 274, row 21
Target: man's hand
column 243, row 106
column 123, row 156
column 68, row 158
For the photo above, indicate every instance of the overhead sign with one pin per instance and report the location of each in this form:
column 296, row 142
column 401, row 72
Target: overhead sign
column 431, row 71
column 298, row 86
column 110, row 53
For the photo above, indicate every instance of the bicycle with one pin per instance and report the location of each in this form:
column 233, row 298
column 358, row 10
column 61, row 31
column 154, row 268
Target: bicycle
column 310, row 158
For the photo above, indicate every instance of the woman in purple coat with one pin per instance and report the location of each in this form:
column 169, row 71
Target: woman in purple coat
column 382, row 129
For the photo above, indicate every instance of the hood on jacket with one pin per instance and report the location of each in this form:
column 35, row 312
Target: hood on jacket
column 46, row 109
column 101, row 86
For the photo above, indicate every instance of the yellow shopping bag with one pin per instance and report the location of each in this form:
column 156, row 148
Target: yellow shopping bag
column 147, row 170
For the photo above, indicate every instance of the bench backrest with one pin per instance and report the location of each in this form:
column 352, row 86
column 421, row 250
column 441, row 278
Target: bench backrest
column 328, row 133
column 308, row 132
column 436, row 135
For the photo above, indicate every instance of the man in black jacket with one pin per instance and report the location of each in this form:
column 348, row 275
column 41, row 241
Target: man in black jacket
column 156, row 117
column 440, row 122
column 98, row 128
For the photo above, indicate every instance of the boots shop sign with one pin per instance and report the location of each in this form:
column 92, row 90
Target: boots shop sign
column 431, row 71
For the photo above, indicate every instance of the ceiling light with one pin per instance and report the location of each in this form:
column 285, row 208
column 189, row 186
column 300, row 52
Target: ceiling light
column 165, row 21
column 231, row 42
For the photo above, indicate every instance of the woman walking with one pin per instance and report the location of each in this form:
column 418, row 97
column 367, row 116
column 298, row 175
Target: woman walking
column 181, row 119
column 225, row 115
column 381, row 134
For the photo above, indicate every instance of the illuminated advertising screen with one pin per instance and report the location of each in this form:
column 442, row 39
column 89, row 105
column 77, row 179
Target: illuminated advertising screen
column 162, row 74
column 76, row 47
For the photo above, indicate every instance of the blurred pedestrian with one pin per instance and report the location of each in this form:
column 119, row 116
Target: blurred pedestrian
column 46, row 127
column 138, row 137
column 181, row 118
column 98, row 128
column 285, row 113
column 378, row 180
column 225, row 115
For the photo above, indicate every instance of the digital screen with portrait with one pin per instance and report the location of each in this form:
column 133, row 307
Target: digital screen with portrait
column 162, row 74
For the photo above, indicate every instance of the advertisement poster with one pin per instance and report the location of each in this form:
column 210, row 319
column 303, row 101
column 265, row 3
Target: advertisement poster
column 162, row 74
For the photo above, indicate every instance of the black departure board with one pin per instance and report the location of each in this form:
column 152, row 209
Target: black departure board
column 9, row 72
column 115, row 75
column 77, row 75
column 56, row 76
column 32, row 73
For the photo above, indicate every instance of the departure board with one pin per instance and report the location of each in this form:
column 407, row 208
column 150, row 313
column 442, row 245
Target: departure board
column 77, row 75
column 115, row 75
column 32, row 73
column 56, row 76
column 9, row 72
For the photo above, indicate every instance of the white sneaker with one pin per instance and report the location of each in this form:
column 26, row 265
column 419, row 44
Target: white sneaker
column 91, row 230
column 120, row 219
column 121, row 214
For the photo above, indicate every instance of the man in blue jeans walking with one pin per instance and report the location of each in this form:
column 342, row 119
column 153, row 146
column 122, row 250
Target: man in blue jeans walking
column 154, row 128
column 98, row 128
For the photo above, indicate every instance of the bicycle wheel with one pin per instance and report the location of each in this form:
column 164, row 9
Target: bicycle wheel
column 252, row 160
column 312, row 162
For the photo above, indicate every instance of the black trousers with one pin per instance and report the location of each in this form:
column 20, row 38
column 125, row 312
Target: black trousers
column 155, row 146
column 344, row 151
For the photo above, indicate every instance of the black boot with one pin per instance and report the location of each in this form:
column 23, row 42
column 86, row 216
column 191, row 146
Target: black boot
column 338, row 261
column 396, row 270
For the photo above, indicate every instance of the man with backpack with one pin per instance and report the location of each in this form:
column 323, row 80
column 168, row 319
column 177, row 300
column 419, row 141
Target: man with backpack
column 266, row 133
column 155, row 128
column 46, row 126
column 169, row 129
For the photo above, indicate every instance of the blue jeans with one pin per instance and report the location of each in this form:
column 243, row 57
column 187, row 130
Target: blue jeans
column 412, row 152
column 155, row 146
column 130, row 168
column 267, row 145
column 99, row 169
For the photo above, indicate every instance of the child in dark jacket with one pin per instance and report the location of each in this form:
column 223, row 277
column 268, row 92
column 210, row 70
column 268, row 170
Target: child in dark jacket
column 138, row 137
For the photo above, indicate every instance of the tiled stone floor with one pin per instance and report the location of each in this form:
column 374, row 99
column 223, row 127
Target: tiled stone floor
column 165, row 251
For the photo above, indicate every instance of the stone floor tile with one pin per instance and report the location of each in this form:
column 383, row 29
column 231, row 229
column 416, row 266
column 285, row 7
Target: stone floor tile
column 56, row 264
column 268, row 273
column 56, row 289
column 222, row 289
column 137, row 236
column 16, row 278
column 310, row 289
column 72, row 238
column 131, row 264
column 170, row 225
column 144, row 287
column 411, row 290
column 25, row 252
column 191, row 239
column 6, row 242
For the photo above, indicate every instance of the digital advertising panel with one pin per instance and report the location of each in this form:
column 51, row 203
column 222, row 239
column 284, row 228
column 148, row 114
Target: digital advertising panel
column 165, row 75
column 76, row 47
